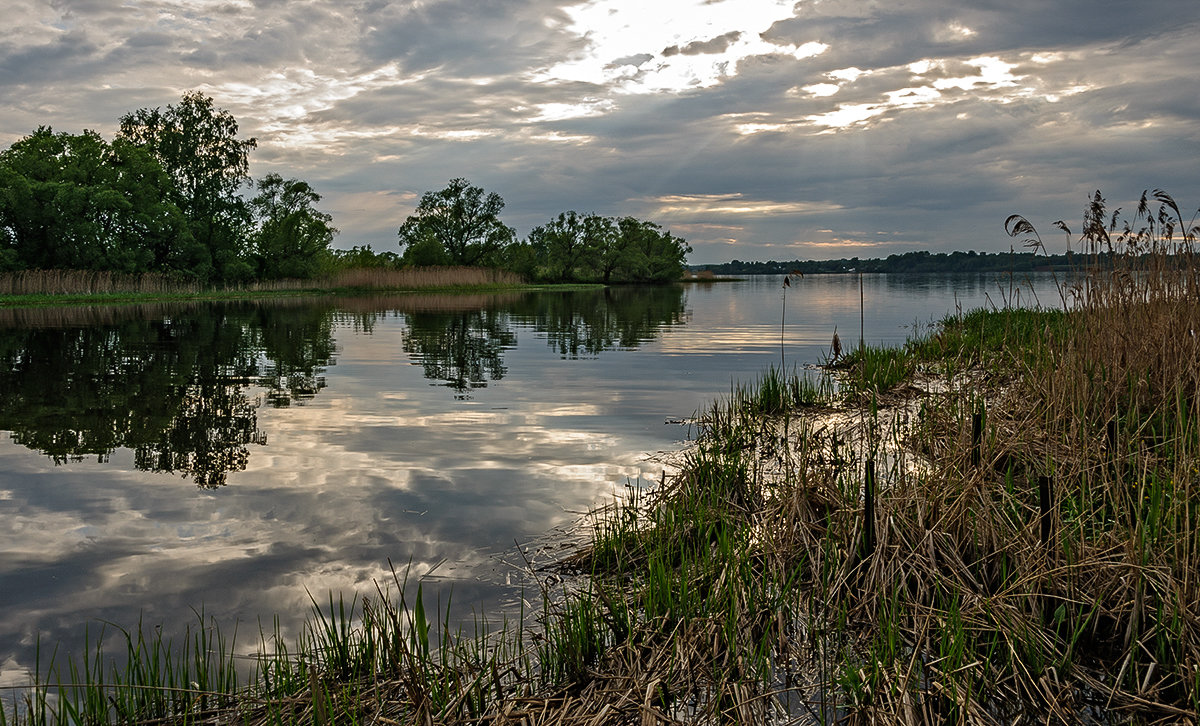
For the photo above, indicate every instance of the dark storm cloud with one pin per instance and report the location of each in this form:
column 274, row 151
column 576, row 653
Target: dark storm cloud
column 150, row 40
column 631, row 60
column 465, row 37
column 58, row 60
column 201, row 58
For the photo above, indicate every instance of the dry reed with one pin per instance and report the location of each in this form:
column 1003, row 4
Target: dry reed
column 87, row 282
column 413, row 278
column 90, row 282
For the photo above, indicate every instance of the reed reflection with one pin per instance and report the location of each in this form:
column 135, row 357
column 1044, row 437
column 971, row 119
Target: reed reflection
column 171, row 384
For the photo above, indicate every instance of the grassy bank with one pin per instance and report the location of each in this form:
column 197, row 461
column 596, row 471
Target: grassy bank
column 73, row 287
column 996, row 522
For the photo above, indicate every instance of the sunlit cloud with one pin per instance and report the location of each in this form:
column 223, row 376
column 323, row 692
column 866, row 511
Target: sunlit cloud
column 736, row 204
column 562, row 111
column 994, row 81
column 821, row 90
column 286, row 99
column 673, row 45
column 758, row 128
column 556, row 137
column 952, row 32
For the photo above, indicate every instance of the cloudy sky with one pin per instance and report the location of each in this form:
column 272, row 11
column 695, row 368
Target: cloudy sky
column 755, row 129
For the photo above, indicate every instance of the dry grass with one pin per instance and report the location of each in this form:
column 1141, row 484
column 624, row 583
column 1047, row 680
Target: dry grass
column 87, row 282
column 415, row 278
column 1027, row 547
column 84, row 282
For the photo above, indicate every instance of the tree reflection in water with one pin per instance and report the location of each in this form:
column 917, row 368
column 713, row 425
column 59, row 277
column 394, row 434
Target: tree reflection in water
column 170, row 385
column 463, row 349
column 587, row 323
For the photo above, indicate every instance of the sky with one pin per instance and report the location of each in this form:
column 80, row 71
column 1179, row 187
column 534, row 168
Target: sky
column 754, row 129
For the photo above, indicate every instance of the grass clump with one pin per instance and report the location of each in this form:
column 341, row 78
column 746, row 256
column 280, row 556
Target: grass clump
column 1000, row 522
column 375, row 659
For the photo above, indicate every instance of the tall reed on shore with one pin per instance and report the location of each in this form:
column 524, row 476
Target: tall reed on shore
column 88, row 283
column 1000, row 523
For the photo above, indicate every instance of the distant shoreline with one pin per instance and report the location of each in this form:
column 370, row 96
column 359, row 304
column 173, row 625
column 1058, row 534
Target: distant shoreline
column 917, row 262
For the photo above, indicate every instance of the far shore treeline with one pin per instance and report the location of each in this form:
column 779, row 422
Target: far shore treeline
column 172, row 195
column 921, row 261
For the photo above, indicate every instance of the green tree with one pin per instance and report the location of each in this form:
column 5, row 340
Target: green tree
column 462, row 221
column 198, row 147
column 424, row 249
column 292, row 238
column 572, row 244
column 360, row 256
column 616, row 252
column 651, row 254
column 75, row 201
column 523, row 258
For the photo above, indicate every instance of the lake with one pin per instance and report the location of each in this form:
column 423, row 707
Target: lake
column 236, row 459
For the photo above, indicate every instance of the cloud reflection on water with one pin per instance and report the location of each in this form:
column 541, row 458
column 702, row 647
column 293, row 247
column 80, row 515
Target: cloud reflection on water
column 374, row 464
column 379, row 463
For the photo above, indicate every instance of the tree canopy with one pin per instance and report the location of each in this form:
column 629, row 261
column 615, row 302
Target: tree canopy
column 292, row 238
column 76, row 201
column 197, row 144
column 172, row 194
column 165, row 196
column 460, row 225
column 460, row 220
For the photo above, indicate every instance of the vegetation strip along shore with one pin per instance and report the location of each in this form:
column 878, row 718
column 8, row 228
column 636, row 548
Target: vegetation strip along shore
column 78, row 287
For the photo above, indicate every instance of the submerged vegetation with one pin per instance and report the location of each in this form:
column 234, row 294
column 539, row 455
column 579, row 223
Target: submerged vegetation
column 995, row 522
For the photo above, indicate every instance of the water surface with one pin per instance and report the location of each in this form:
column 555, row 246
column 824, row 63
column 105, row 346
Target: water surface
column 236, row 457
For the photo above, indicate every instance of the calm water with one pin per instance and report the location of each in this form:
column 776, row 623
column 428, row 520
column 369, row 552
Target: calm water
column 236, row 457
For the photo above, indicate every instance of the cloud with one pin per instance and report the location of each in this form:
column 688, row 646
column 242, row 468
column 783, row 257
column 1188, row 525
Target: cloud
column 718, row 44
column 937, row 120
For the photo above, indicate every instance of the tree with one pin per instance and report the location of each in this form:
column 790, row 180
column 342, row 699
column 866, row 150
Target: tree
column 462, row 221
column 614, row 252
column 198, row 147
column 292, row 238
column 362, row 256
column 75, row 201
column 572, row 241
column 651, row 255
